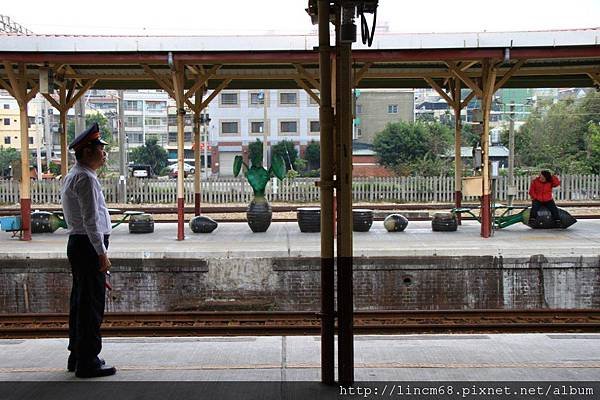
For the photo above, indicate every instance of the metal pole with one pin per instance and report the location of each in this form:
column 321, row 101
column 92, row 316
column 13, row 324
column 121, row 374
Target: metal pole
column 326, row 189
column 265, row 130
column 511, row 153
column 206, row 128
column 47, row 133
column 122, row 149
column 38, row 140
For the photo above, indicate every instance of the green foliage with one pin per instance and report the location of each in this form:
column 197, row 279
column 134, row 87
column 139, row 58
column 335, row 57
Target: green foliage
column 255, row 150
column 301, row 165
column 312, row 155
column 7, row 157
column 593, row 133
column 560, row 137
column 150, row 154
column 409, row 147
column 105, row 129
column 286, row 150
column 55, row 168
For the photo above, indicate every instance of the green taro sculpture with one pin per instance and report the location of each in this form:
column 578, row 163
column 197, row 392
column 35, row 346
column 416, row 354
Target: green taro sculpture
column 259, row 213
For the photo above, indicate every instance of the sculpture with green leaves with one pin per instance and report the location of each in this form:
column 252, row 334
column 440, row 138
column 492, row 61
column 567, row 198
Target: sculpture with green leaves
column 259, row 213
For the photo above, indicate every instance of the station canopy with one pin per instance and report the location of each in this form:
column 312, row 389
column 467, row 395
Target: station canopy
column 566, row 58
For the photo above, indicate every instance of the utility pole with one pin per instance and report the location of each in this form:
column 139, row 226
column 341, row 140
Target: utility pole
column 511, row 153
column 38, row 140
column 47, row 133
column 79, row 116
column 122, row 149
column 265, row 129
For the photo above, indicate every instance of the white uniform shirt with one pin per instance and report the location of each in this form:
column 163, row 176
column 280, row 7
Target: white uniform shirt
column 84, row 206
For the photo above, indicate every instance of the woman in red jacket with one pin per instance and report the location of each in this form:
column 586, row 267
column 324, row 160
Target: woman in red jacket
column 541, row 194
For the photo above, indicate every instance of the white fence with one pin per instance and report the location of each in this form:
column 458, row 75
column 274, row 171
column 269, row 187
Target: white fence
column 237, row 190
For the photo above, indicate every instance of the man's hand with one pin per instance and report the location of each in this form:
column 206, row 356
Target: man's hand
column 104, row 262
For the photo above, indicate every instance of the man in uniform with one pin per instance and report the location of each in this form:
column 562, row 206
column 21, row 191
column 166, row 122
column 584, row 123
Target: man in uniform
column 89, row 227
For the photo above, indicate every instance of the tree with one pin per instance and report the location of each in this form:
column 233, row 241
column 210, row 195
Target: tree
column 312, row 155
column 254, row 149
column 150, row 154
column 7, row 157
column 105, row 129
column 400, row 144
column 286, row 150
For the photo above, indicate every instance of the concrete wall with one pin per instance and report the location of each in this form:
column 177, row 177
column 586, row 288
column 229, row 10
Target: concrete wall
column 374, row 115
column 425, row 283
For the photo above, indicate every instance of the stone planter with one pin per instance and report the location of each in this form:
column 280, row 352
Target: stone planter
column 309, row 219
column 202, row 224
column 362, row 219
column 395, row 223
column 259, row 214
column 444, row 222
column 544, row 219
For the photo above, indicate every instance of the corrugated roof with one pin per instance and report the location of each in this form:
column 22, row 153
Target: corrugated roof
column 407, row 41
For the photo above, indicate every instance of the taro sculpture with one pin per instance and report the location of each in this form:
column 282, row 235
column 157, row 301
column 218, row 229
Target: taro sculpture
column 259, row 211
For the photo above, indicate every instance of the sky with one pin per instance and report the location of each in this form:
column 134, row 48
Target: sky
column 232, row 17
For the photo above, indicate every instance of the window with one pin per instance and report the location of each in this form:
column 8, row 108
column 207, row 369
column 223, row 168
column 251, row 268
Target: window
column 135, row 137
column 6, row 139
column 288, row 98
column 229, row 128
column 7, row 106
column 358, row 132
column 288, row 127
column 6, row 121
column 133, row 122
column 156, row 121
column 359, row 109
column 229, row 99
column 256, row 126
column 392, row 108
column 30, row 140
column 315, row 127
column 257, row 98
column 156, row 105
column 133, row 105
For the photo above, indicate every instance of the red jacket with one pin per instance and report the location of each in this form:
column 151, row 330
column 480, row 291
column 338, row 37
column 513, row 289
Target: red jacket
column 542, row 191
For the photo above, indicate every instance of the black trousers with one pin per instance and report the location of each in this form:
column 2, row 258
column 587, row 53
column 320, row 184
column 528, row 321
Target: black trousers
column 87, row 300
column 550, row 205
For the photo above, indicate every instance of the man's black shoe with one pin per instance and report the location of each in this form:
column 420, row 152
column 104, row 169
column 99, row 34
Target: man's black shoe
column 72, row 362
column 103, row 370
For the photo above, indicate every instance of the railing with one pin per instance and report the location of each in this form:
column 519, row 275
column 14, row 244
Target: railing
column 237, row 190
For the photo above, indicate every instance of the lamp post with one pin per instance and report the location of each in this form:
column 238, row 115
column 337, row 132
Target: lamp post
column 263, row 95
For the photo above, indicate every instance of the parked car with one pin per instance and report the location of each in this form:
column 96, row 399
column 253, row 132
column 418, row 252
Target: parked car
column 187, row 169
column 141, row 171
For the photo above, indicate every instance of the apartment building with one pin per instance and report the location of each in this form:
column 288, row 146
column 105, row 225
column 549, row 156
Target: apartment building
column 10, row 123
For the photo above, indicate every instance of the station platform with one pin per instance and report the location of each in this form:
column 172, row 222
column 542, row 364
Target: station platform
column 476, row 357
column 284, row 239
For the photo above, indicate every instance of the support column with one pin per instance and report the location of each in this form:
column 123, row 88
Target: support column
column 326, row 191
column 177, row 75
column 457, row 149
column 25, row 187
column 344, row 222
column 197, row 164
column 64, row 151
column 488, row 81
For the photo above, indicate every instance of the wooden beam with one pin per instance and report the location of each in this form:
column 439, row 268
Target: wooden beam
column 463, row 77
column 308, row 77
column 201, row 81
column 308, row 90
column 87, row 86
column 467, row 99
column 508, row 74
column 51, row 100
column 72, row 83
column 17, row 92
column 215, row 92
column 32, row 92
column 467, row 64
column 70, row 70
column 166, row 86
column 595, row 77
column 361, row 73
column 441, row 92
column 7, row 87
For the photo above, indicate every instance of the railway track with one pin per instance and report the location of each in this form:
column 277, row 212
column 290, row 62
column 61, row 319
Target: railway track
column 307, row 323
